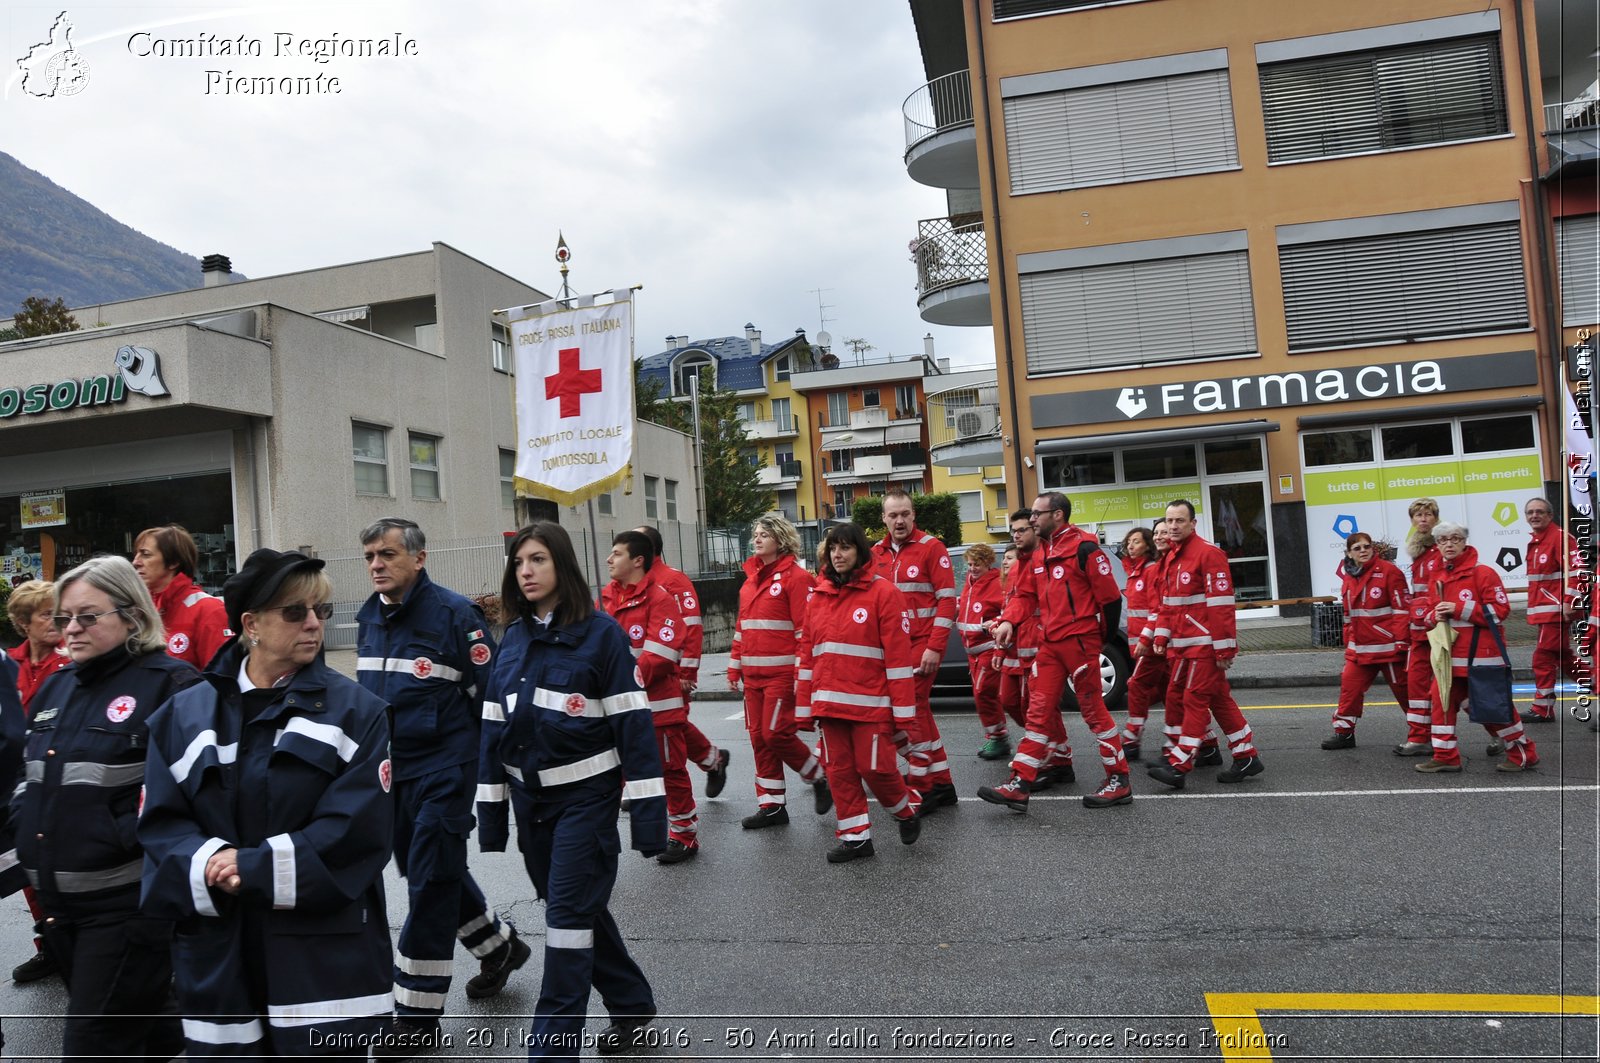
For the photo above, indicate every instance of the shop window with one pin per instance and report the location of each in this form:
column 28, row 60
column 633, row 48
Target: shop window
column 652, row 487
column 1237, row 455
column 1062, row 471
column 1408, row 441
column 425, row 467
column 672, row 500
column 1352, row 447
column 1159, row 463
column 1490, row 434
column 508, row 486
column 370, row 445
column 604, row 505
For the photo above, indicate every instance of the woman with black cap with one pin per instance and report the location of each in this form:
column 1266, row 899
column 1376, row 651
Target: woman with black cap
column 78, row 808
column 266, row 827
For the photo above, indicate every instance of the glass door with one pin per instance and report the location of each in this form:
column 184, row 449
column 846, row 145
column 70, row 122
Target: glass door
column 1240, row 527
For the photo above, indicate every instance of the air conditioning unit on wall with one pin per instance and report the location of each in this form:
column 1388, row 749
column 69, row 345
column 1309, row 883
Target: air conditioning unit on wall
column 978, row 422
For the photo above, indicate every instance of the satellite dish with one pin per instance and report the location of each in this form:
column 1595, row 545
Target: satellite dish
column 823, row 339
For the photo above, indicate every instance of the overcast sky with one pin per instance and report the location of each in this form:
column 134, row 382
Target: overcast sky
column 729, row 155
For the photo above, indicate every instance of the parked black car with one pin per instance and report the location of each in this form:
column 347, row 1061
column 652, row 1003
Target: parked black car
column 955, row 681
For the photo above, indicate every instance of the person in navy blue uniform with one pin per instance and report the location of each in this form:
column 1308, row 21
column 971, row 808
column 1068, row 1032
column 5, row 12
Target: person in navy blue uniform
column 12, row 725
column 426, row 650
column 266, row 828
column 565, row 722
column 77, row 812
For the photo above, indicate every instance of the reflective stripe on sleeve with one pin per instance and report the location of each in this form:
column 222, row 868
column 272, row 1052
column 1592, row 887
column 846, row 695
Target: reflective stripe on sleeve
column 848, row 649
column 199, row 893
column 661, row 650
column 283, row 871
column 490, row 793
column 637, row 790
column 206, row 739
column 404, row 665
column 766, row 625
column 325, row 733
column 314, row 1011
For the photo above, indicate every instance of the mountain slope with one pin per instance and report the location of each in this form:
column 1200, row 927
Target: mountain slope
column 56, row 244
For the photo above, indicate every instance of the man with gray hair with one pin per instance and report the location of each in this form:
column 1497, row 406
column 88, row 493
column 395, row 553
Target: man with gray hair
column 426, row 651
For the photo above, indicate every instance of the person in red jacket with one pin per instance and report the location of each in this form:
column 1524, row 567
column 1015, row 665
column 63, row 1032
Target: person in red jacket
column 39, row 655
column 1465, row 594
column 650, row 617
column 1196, row 626
column 919, row 566
column 857, row 664
column 977, row 608
column 772, row 606
column 1376, row 614
column 1420, row 692
column 196, row 623
column 1141, row 553
column 1016, row 660
column 698, row 748
column 1554, row 569
column 1071, row 584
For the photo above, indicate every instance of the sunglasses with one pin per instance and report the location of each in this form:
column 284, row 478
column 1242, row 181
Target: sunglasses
column 62, row 620
column 296, row 614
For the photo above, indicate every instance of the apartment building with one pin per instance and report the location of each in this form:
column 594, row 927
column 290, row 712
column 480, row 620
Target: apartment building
column 1293, row 262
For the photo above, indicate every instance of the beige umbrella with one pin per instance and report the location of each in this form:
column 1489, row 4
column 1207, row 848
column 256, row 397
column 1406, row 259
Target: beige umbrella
column 1440, row 638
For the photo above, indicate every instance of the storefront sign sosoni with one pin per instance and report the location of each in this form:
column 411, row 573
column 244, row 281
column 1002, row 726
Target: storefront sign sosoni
column 137, row 369
column 1266, row 391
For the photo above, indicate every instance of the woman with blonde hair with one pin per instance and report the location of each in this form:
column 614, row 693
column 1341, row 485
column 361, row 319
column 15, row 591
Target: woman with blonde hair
column 77, row 812
column 976, row 608
column 772, row 608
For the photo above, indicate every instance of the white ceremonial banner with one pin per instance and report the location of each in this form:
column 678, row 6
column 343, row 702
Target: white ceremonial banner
column 574, row 397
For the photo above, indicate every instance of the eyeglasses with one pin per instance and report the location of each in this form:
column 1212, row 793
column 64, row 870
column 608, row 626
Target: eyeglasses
column 1450, row 538
column 1362, row 546
column 1040, row 512
column 62, row 620
column 296, row 614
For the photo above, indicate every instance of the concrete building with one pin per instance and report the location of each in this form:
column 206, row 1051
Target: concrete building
column 1290, row 261
column 285, row 411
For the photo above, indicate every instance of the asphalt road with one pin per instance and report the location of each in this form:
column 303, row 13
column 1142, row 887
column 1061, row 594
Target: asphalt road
column 1339, row 906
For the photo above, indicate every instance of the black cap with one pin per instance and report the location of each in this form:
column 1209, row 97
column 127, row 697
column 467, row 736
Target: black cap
column 259, row 578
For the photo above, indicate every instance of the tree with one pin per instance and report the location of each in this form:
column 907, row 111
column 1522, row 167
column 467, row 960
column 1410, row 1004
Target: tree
column 733, row 493
column 43, row 317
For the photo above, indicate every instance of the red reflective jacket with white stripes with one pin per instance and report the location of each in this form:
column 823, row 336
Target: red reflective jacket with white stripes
column 772, row 606
column 1554, row 569
column 650, row 617
column 1425, row 568
column 1068, row 588
column 1139, row 595
column 979, row 603
column 1376, row 612
column 920, row 570
column 1017, row 659
column 1196, row 616
column 1476, row 591
column 682, row 590
column 856, row 660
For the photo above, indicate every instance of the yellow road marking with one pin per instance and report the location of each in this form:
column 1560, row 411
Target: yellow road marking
column 1236, row 1016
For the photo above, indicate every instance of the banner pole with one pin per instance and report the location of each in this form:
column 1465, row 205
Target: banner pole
column 594, row 548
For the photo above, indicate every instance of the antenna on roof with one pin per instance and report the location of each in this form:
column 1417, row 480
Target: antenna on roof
column 822, row 310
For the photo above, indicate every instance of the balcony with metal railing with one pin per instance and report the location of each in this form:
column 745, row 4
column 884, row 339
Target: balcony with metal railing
column 964, row 427
column 779, row 474
column 941, row 140
column 773, row 429
column 999, row 521
column 1572, row 131
column 952, row 271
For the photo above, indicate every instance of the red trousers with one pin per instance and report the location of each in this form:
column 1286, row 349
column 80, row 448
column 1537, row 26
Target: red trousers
column 1014, row 696
column 697, row 747
column 1354, row 682
column 683, row 824
column 986, row 695
column 855, row 752
column 1553, row 656
column 1421, row 690
column 924, row 752
column 1519, row 747
column 769, row 717
column 1076, row 660
column 1205, row 695
column 1147, row 685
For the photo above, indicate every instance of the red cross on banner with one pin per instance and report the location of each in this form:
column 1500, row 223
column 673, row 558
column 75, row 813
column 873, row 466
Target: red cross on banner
column 570, row 384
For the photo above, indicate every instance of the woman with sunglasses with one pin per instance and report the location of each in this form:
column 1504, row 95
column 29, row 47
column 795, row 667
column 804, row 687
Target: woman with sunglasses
column 565, row 721
column 1374, row 594
column 267, row 823
column 78, row 809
